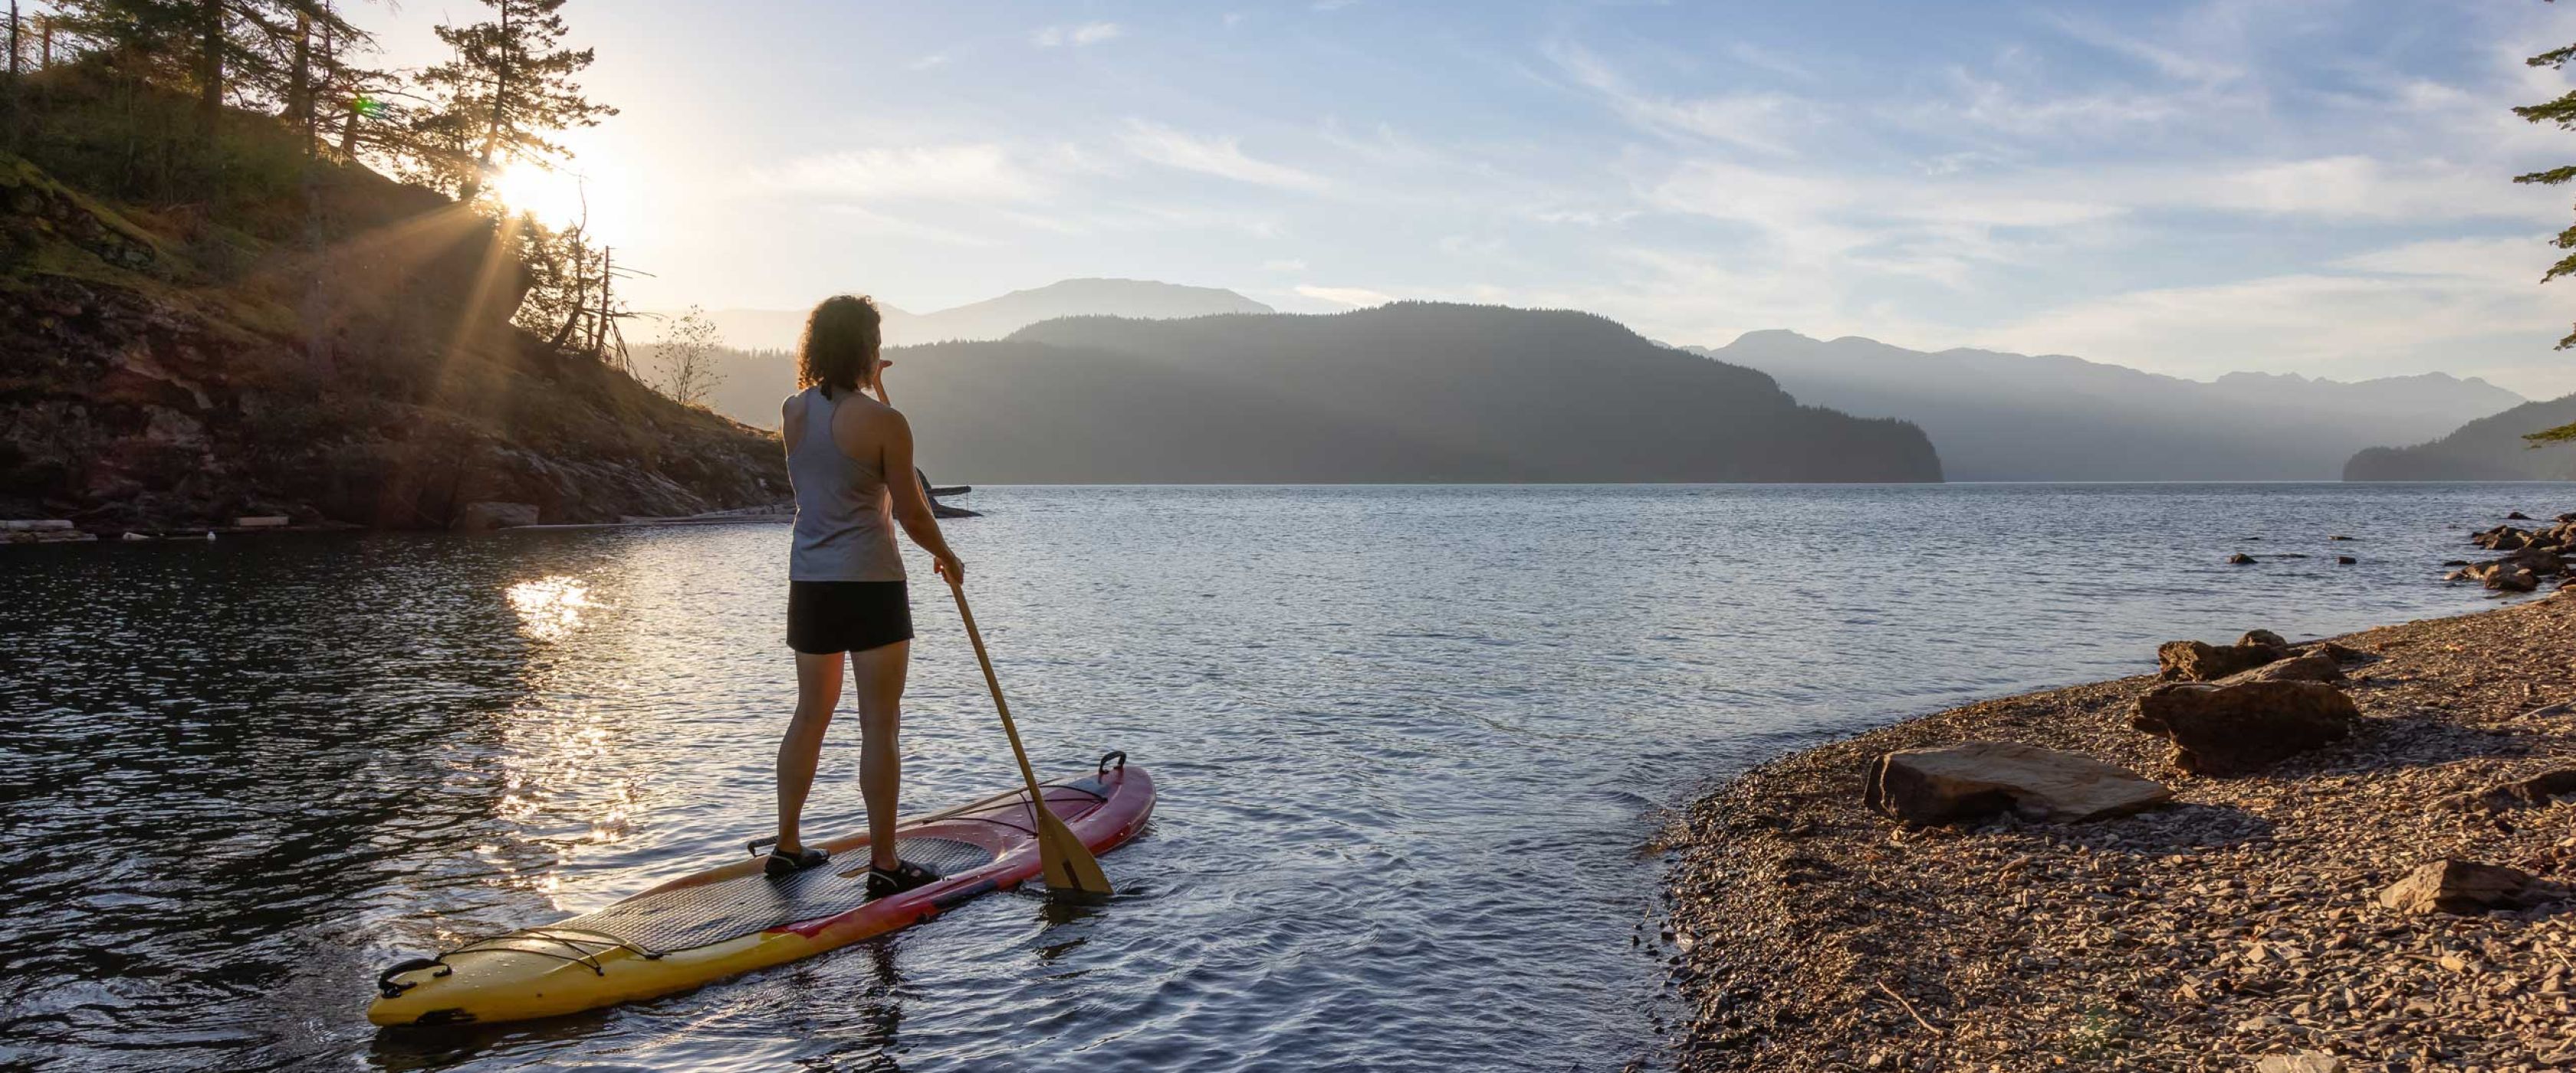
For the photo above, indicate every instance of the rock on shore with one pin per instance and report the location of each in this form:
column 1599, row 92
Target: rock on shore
column 1982, row 779
column 2243, row 727
column 2248, row 922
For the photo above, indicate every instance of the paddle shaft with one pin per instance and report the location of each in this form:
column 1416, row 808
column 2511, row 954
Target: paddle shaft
column 995, row 684
column 1065, row 862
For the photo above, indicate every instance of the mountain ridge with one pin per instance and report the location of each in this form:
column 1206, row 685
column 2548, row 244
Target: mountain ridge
column 2240, row 376
column 1996, row 415
column 1411, row 392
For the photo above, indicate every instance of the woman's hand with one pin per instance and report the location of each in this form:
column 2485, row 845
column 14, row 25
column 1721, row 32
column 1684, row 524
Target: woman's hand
column 952, row 568
column 876, row 381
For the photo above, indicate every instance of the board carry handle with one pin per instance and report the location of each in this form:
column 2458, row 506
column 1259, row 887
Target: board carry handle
column 393, row 988
column 1119, row 755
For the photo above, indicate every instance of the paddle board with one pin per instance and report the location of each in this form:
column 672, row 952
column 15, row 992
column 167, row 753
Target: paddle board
column 731, row 920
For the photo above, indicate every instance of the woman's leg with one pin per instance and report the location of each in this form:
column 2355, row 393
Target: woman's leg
column 880, row 672
column 818, row 690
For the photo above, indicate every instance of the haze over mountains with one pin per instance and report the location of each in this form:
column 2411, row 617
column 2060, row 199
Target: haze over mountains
column 993, row 318
column 1417, row 399
column 2015, row 417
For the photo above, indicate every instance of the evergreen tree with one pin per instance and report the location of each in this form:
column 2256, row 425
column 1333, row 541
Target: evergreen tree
column 509, row 88
column 2562, row 111
column 252, row 52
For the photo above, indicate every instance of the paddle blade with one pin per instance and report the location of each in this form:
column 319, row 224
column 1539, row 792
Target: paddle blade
column 1064, row 862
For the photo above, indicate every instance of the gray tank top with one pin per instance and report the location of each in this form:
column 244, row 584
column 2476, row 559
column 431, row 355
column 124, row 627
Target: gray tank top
column 844, row 516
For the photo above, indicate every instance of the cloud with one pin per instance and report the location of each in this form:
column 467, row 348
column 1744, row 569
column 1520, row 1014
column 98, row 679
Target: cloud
column 1354, row 297
column 2444, row 316
column 975, row 172
column 1593, row 217
column 1284, row 264
column 2358, row 188
column 1482, row 247
column 936, row 59
column 2507, row 261
column 1986, row 104
column 1906, row 226
column 866, row 222
column 2189, row 66
column 1219, row 156
column 1751, row 55
column 1764, row 122
column 1089, row 33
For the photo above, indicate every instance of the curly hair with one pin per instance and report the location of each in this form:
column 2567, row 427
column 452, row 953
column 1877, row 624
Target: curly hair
column 839, row 349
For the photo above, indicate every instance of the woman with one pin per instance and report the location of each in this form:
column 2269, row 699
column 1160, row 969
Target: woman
column 850, row 459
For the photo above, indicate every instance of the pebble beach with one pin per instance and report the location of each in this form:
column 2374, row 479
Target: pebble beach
column 2392, row 900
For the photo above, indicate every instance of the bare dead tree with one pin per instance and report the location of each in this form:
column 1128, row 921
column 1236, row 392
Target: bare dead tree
column 685, row 363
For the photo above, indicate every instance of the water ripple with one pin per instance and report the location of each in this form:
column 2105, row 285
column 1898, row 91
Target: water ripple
column 1408, row 739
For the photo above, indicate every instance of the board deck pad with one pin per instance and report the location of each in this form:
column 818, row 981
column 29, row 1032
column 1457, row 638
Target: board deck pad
column 712, row 913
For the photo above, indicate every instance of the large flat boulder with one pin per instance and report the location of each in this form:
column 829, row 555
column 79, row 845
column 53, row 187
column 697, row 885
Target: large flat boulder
column 2200, row 661
column 2242, row 728
column 1978, row 779
column 2467, row 888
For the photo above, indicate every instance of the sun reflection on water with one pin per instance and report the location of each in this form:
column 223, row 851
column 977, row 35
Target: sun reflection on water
column 550, row 607
column 560, row 785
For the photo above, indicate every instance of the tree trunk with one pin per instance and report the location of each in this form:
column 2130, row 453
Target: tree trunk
column 210, row 65
column 299, row 92
column 580, row 295
column 349, row 133
column 17, row 119
column 500, row 98
column 599, row 326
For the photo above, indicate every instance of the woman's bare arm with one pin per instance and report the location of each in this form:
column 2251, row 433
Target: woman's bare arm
column 911, row 504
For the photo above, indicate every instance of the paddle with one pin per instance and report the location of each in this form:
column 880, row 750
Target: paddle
column 1065, row 863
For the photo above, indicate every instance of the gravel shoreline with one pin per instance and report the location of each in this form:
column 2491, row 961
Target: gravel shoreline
column 2237, row 928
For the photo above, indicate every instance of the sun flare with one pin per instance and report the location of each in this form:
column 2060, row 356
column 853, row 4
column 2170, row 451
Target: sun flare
column 552, row 195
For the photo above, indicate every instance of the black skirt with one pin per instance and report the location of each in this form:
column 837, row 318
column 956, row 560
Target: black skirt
column 825, row 617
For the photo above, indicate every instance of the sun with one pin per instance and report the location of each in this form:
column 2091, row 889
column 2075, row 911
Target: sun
column 552, row 195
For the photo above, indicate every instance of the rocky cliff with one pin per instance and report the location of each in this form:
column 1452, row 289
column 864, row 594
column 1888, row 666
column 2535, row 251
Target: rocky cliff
column 339, row 354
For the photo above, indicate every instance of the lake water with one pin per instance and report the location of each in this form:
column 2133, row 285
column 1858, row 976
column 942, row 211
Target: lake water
column 1409, row 741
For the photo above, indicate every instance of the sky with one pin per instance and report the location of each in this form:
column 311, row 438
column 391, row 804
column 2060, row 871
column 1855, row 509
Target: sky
column 2310, row 186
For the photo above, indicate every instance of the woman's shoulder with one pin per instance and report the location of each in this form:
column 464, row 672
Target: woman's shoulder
column 861, row 409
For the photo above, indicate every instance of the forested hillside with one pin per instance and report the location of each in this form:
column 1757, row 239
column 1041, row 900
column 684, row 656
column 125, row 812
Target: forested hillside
column 1412, row 392
column 214, row 304
column 2487, row 449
